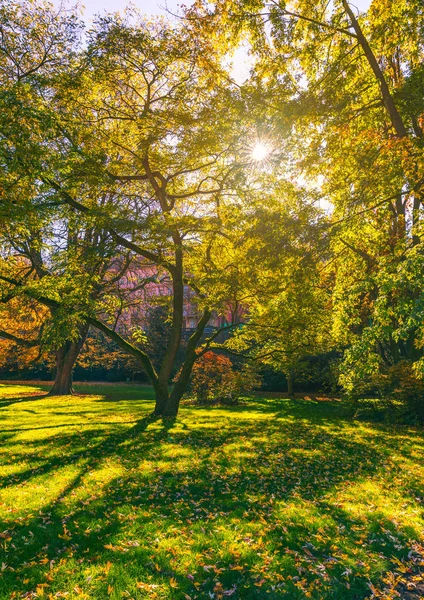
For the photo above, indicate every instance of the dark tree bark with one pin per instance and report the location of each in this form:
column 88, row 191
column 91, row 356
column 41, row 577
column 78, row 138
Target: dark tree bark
column 161, row 397
column 170, row 409
column 66, row 358
column 396, row 119
column 168, row 362
column 290, row 383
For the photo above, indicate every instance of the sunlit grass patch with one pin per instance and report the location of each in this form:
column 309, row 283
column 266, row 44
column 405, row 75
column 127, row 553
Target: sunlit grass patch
column 7, row 390
column 275, row 498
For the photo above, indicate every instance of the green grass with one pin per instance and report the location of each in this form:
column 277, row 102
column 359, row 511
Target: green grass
column 274, row 499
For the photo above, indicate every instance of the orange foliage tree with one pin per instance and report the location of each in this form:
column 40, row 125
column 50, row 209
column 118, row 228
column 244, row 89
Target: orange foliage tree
column 214, row 379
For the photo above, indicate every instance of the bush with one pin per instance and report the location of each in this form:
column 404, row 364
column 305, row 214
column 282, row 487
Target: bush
column 215, row 380
column 395, row 394
column 403, row 385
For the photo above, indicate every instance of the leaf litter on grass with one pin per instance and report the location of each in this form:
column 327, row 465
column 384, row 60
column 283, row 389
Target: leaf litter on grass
column 272, row 499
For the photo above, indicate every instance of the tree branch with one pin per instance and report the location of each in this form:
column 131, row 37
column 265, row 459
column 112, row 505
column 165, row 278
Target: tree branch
column 127, row 347
column 18, row 340
column 118, row 237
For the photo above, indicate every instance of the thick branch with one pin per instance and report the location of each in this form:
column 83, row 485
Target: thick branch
column 215, row 334
column 368, row 259
column 127, row 347
column 159, row 190
column 316, row 22
column 388, row 101
column 18, row 340
column 181, row 383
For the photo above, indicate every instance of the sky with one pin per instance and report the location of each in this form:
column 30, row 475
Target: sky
column 240, row 62
column 156, row 7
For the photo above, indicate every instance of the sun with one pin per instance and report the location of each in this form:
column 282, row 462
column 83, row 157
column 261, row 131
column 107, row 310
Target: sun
column 260, row 151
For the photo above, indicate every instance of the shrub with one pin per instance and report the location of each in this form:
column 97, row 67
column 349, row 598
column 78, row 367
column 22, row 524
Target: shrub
column 403, row 385
column 398, row 394
column 214, row 380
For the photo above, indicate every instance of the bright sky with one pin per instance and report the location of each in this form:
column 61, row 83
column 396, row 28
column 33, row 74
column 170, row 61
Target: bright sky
column 150, row 7
column 156, row 7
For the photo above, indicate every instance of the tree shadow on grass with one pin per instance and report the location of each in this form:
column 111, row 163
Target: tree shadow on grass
column 59, row 426
column 4, row 402
column 200, row 487
column 81, row 448
column 332, row 411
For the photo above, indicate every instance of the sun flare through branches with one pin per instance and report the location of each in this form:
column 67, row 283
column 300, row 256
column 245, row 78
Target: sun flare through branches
column 260, row 152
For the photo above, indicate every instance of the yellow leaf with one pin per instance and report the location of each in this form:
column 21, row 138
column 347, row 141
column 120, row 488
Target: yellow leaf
column 107, row 567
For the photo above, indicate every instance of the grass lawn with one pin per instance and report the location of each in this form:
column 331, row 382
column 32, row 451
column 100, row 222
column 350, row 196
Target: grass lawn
column 274, row 499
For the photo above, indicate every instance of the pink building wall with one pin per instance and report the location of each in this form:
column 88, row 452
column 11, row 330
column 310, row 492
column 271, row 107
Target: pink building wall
column 144, row 287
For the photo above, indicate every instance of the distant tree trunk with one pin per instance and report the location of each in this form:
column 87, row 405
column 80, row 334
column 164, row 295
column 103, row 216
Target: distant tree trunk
column 416, row 219
column 66, row 358
column 290, row 382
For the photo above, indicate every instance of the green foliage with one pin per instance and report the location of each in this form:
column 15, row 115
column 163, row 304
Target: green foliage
column 346, row 94
column 390, row 341
column 398, row 393
column 288, row 315
column 132, row 152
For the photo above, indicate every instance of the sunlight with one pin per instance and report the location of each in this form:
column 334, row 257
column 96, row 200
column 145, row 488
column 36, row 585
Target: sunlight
column 239, row 62
column 260, row 151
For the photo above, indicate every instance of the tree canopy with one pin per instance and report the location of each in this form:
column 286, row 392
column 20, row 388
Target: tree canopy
column 127, row 167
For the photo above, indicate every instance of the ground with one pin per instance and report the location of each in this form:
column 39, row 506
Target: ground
column 275, row 498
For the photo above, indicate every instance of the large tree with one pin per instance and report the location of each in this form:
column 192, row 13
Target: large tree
column 137, row 137
column 347, row 89
column 37, row 42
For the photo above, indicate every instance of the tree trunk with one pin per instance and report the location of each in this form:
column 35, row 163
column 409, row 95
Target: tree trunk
column 290, row 383
column 396, row 119
column 66, row 358
column 167, row 405
column 161, row 397
column 172, row 404
column 177, row 317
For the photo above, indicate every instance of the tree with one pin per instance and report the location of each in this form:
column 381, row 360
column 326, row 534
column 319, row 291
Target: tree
column 347, row 91
column 289, row 314
column 135, row 140
column 36, row 42
column 173, row 163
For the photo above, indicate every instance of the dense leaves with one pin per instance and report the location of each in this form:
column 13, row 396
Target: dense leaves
column 127, row 172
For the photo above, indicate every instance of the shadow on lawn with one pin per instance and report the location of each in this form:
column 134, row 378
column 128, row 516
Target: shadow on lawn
column 232, row 473
column 332, row 410
column 4, row 402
